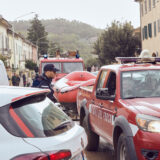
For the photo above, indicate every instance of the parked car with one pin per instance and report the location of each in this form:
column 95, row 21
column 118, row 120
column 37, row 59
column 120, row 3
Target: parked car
column 33, row 127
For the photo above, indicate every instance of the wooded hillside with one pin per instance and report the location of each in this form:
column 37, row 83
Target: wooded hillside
column 69, row 35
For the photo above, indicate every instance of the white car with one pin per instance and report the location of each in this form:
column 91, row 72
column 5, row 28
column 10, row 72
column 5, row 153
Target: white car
column 3, row 75
column 34, row 128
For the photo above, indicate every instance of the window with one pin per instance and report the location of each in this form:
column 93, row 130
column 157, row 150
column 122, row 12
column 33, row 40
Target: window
column 69, row 67
column 111, row 84
column 155, row 28
column 158, row 23
column 150, row 30
column 101, row 79
column 56, row 64
column 154, row 3
column 145, row 32
column 149, row 3
column 43, row 121
column 144, row 83
column 145, row 6
column 142, row 13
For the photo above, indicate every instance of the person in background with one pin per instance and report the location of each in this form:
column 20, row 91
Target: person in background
column 154, row 54
column 15, row 79
column 48, row 75
column 24, row 79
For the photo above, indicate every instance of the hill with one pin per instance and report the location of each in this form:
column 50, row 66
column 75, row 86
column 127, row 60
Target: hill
column 70, row 35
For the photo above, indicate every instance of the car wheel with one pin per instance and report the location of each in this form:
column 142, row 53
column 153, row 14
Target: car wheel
column 122, row 152
column 93, row 138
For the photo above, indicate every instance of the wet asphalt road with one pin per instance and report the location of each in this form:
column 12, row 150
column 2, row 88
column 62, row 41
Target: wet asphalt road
column 105, row 152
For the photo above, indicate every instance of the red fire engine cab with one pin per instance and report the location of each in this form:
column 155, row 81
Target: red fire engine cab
column 65, row 65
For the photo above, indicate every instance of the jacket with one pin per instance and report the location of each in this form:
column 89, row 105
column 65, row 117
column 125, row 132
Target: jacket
column 46, row 84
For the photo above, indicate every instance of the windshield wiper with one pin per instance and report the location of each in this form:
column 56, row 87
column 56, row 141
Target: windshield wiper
column 135, row 97
column 62, row 125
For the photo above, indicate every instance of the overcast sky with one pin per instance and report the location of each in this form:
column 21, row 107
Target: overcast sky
column 98, row 13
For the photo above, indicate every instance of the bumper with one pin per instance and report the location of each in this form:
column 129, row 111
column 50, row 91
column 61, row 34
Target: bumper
column 147, row 145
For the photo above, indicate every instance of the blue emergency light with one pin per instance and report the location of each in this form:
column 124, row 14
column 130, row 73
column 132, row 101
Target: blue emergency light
column 45, row 56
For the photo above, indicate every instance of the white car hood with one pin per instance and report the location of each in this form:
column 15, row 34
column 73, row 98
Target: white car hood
column 74, row 140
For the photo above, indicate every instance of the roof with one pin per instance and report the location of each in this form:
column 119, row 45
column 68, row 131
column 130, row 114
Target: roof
column 131, row 66
column 5, row 22
column 61, row 60
column 11, row 94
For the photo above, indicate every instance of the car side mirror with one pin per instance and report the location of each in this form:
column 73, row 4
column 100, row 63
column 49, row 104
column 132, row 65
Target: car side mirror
column 102, row 93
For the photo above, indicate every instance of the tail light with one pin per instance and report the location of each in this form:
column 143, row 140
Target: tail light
column 60, row 155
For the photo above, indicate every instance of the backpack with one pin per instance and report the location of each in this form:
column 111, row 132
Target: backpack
column 36, row 81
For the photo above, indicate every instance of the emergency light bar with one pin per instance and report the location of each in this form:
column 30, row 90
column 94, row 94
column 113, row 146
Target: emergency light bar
column 123, row 60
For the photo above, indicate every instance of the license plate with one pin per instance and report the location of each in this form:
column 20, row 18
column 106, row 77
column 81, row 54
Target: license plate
column 81, row 156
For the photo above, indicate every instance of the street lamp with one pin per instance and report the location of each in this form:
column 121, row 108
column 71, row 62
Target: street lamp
column 13, row 34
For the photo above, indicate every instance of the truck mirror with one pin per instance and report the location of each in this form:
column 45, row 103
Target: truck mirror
column 102, row 93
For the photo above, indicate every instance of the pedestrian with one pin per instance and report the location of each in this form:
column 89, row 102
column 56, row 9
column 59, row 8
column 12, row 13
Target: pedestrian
column 15, row 79
column 48, row 75
column 24, row 79
column 154, row 54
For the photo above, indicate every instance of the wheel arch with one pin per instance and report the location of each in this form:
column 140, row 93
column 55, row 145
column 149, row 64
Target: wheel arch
column 121, row 125
column 83, row 111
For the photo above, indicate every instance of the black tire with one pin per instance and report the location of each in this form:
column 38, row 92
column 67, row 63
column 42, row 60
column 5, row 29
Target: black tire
column 93, row 138
column 122, row 148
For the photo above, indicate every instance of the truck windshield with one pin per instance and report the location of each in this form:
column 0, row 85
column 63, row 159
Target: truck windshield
column 70, row 67
column 56, row 64
column 140, row 84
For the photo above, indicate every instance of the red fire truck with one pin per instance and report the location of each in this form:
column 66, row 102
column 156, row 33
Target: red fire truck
column 123, row 106
column 65, row 65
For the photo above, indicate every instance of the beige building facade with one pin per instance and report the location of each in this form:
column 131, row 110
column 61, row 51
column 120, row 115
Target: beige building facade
column 150, row 25
column 15, row 47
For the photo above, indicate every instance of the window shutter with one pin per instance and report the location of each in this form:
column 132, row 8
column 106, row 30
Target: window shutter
column 150, row 30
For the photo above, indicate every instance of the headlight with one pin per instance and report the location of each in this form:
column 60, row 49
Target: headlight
column 148, row 123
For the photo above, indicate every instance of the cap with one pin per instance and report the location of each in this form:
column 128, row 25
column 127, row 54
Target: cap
column 50, row 67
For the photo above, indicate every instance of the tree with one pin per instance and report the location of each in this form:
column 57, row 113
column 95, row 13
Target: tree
column 30, row 65
column 37, row 35
column 117, row 40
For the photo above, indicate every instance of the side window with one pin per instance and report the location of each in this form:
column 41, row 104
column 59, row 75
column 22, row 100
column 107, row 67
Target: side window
column 111, row 83
column 101, row 79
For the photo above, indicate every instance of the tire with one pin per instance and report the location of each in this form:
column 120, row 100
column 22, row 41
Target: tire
column 93, row 138
column 122, row 148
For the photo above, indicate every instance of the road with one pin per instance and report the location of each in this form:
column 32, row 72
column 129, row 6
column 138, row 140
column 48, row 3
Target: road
column 105, row 152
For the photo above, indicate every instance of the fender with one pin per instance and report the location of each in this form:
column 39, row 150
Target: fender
column 124, row 125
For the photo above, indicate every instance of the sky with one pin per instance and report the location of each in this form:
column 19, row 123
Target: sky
column 98, row 13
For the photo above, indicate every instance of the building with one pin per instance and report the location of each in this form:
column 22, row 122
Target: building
column 150, row 25
column 4, row 40
column 15, row 47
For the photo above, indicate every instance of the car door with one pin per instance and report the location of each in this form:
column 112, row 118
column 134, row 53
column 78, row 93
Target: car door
column 95, row 105
column 109, row 107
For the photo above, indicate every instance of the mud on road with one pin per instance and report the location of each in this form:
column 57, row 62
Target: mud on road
column 105, row 152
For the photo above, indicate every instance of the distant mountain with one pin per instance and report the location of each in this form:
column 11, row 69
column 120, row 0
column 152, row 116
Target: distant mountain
column 70, row 35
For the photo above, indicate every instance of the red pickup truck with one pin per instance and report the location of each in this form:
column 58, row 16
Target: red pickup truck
column 123, row 107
